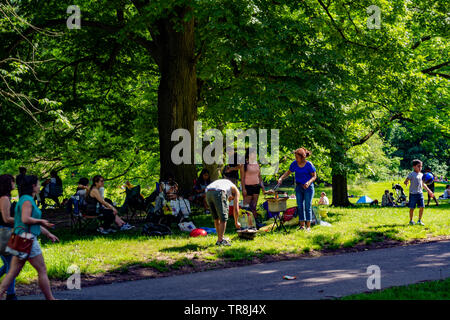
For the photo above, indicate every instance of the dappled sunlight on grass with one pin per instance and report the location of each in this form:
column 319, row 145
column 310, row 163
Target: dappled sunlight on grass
column 359, row 225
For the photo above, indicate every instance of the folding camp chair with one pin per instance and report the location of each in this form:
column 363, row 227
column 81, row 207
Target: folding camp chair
column 79, row 219
column 134, row 207
column 278, row 221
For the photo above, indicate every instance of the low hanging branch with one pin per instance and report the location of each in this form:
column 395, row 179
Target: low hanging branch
column 126, row 171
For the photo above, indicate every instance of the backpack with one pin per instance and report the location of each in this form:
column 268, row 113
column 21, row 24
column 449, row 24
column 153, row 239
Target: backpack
column 156, row 230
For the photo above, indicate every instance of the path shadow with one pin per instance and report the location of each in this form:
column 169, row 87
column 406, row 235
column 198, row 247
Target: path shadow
column 185, row 248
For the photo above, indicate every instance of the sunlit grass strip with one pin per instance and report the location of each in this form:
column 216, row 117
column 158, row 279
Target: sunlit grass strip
column 432, row 290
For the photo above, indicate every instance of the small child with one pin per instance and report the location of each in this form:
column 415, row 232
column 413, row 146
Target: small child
column 446, row 194
column 416, row 191
column 323, row 199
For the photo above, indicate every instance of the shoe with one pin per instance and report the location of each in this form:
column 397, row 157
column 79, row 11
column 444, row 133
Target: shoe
column 102, row 231
column 308, row 229
column 420, row 223
column 225, row 243
column 411, row 223
column 301, row 228
column 126, row 227
column 11, row 297
column 111, row 230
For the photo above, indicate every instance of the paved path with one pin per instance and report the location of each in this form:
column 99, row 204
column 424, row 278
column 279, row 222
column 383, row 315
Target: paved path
column 317, row 278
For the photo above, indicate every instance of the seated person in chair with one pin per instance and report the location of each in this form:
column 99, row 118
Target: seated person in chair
column 169, row 187
column 79, row 196
column 168, row 192
column 96, row 205
column 51, row 188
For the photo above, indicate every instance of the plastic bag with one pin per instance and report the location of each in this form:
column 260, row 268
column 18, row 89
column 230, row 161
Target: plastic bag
column 182, row 205
column 187, row 226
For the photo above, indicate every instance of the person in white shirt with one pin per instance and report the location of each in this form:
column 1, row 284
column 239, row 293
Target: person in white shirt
column 218, row 195
column 323, row 199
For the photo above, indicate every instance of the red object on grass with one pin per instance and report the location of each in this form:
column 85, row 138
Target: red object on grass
column 198, row 232
column 289, row 213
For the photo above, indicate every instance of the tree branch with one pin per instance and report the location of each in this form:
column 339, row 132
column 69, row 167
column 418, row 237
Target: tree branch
column 341, row 32
column 371, row 133
column 418, row 43
column 428, row 70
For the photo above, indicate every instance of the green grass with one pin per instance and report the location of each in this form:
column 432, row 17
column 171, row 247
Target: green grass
column 432, row 290
column 350, row 226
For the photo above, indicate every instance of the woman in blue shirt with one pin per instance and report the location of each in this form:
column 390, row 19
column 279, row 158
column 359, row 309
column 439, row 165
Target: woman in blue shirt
column 27, row 218
column 305, row 175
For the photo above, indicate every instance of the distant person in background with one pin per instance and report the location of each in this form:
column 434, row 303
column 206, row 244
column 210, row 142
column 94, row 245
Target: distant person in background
column 323, row 199
column 79, row 196
column 52, row 189
column 201, row 183
column 392, row 198
column 446, row 194
column 19, row 179
column 231, row 170
column 430, row 184
column 386, row 200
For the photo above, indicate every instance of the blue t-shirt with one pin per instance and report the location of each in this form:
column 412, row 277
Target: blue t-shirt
column 302, row 175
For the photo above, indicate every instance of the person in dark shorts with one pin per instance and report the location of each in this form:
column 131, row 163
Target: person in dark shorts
column 251, row 180
column 430, row 185
column 416, row 191
column 218, row 195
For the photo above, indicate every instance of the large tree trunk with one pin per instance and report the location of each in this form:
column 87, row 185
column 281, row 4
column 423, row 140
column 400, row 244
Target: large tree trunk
column 340, row 192
column 177, row 94
column 339, row 177
column 214, row 170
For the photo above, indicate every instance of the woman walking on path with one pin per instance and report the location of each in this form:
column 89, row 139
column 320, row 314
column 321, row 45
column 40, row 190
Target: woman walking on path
column 27, row 218
column 305, row 175
column 7, row 222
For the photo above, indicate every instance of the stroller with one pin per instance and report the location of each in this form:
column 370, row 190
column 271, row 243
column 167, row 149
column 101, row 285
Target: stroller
column 399, row 197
